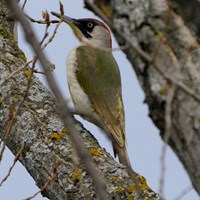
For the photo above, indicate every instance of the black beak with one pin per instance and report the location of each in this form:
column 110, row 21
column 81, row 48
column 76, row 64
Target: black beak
column 65, row 18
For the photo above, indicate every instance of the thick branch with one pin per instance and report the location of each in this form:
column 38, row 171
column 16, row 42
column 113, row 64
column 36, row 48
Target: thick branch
column 77, row 141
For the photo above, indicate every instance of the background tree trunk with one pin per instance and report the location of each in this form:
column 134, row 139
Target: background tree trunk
column 28, row 120
column 167, row 32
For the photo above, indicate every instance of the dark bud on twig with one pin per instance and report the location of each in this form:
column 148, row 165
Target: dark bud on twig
column 61, row 9
column 46, row 17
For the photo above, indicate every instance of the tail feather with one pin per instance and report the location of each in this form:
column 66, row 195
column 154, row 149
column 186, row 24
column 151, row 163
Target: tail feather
column 123, row 158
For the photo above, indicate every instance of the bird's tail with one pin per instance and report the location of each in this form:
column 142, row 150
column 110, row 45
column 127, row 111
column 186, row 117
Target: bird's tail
column 124, row 159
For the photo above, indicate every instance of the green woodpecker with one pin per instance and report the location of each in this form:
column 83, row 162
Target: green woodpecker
column 94, row 81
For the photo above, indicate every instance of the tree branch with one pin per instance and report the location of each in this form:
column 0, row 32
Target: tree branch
column 85, row 158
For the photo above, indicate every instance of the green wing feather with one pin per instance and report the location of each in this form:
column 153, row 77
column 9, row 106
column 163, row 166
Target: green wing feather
column 98, row 74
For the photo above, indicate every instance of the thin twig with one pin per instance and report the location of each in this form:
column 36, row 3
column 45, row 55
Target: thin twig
column 24, row 4
column 183, row 193
column 46, row 34
column 47, row 22
column 50, row 179
column 5, row 136
column 168, row 125
column 11, row 168
column 41, row 21
column 84, row 155
column 15, row 72
column 53, row 35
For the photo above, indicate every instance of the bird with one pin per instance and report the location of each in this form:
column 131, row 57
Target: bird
column 94, row 81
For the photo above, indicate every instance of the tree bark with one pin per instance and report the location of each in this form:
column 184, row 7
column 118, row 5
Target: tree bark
column 170, row 40
column 189, row 11
column 28, row 119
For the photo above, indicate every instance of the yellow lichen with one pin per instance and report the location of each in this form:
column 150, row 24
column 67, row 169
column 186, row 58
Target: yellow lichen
column 143, row 182
column 131, row 188
column 106, row 10
column 63, row 132
column 96, row 152
column 115, row 179
column 162, row 90
column 162, row 37
column 27, row 72
column 2, row 101
column 76, row 176
column 104, row 7
column 165, row 88
column 159, row 34
column 56, row 136
column 129, row 197
column 3, row 31
column 118, row 189
column 22, row 55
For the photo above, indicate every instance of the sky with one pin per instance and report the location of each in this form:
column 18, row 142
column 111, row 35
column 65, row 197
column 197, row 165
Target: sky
column 143, row 139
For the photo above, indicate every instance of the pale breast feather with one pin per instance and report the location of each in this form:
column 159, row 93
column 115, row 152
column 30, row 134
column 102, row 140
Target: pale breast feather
column 80, row 99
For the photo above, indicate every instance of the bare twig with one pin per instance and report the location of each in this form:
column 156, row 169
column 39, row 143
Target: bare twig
column 99, row 184
column 183, row 193
column 15, row 72
column 11, row 168
column 46, row 34
column 24, row 4
column 168, row 125
column 53, row 35
column 5, row 136
column 41, row 21
column 50, row 179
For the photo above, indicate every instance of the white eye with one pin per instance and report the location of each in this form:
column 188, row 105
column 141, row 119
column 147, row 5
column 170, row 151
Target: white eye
column 90, row 25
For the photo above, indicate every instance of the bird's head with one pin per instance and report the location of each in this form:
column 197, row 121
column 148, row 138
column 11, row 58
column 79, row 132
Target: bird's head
column 89, row 31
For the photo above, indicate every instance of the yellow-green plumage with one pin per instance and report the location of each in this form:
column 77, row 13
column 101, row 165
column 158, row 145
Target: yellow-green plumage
column 98, row 75
column 95, row 86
